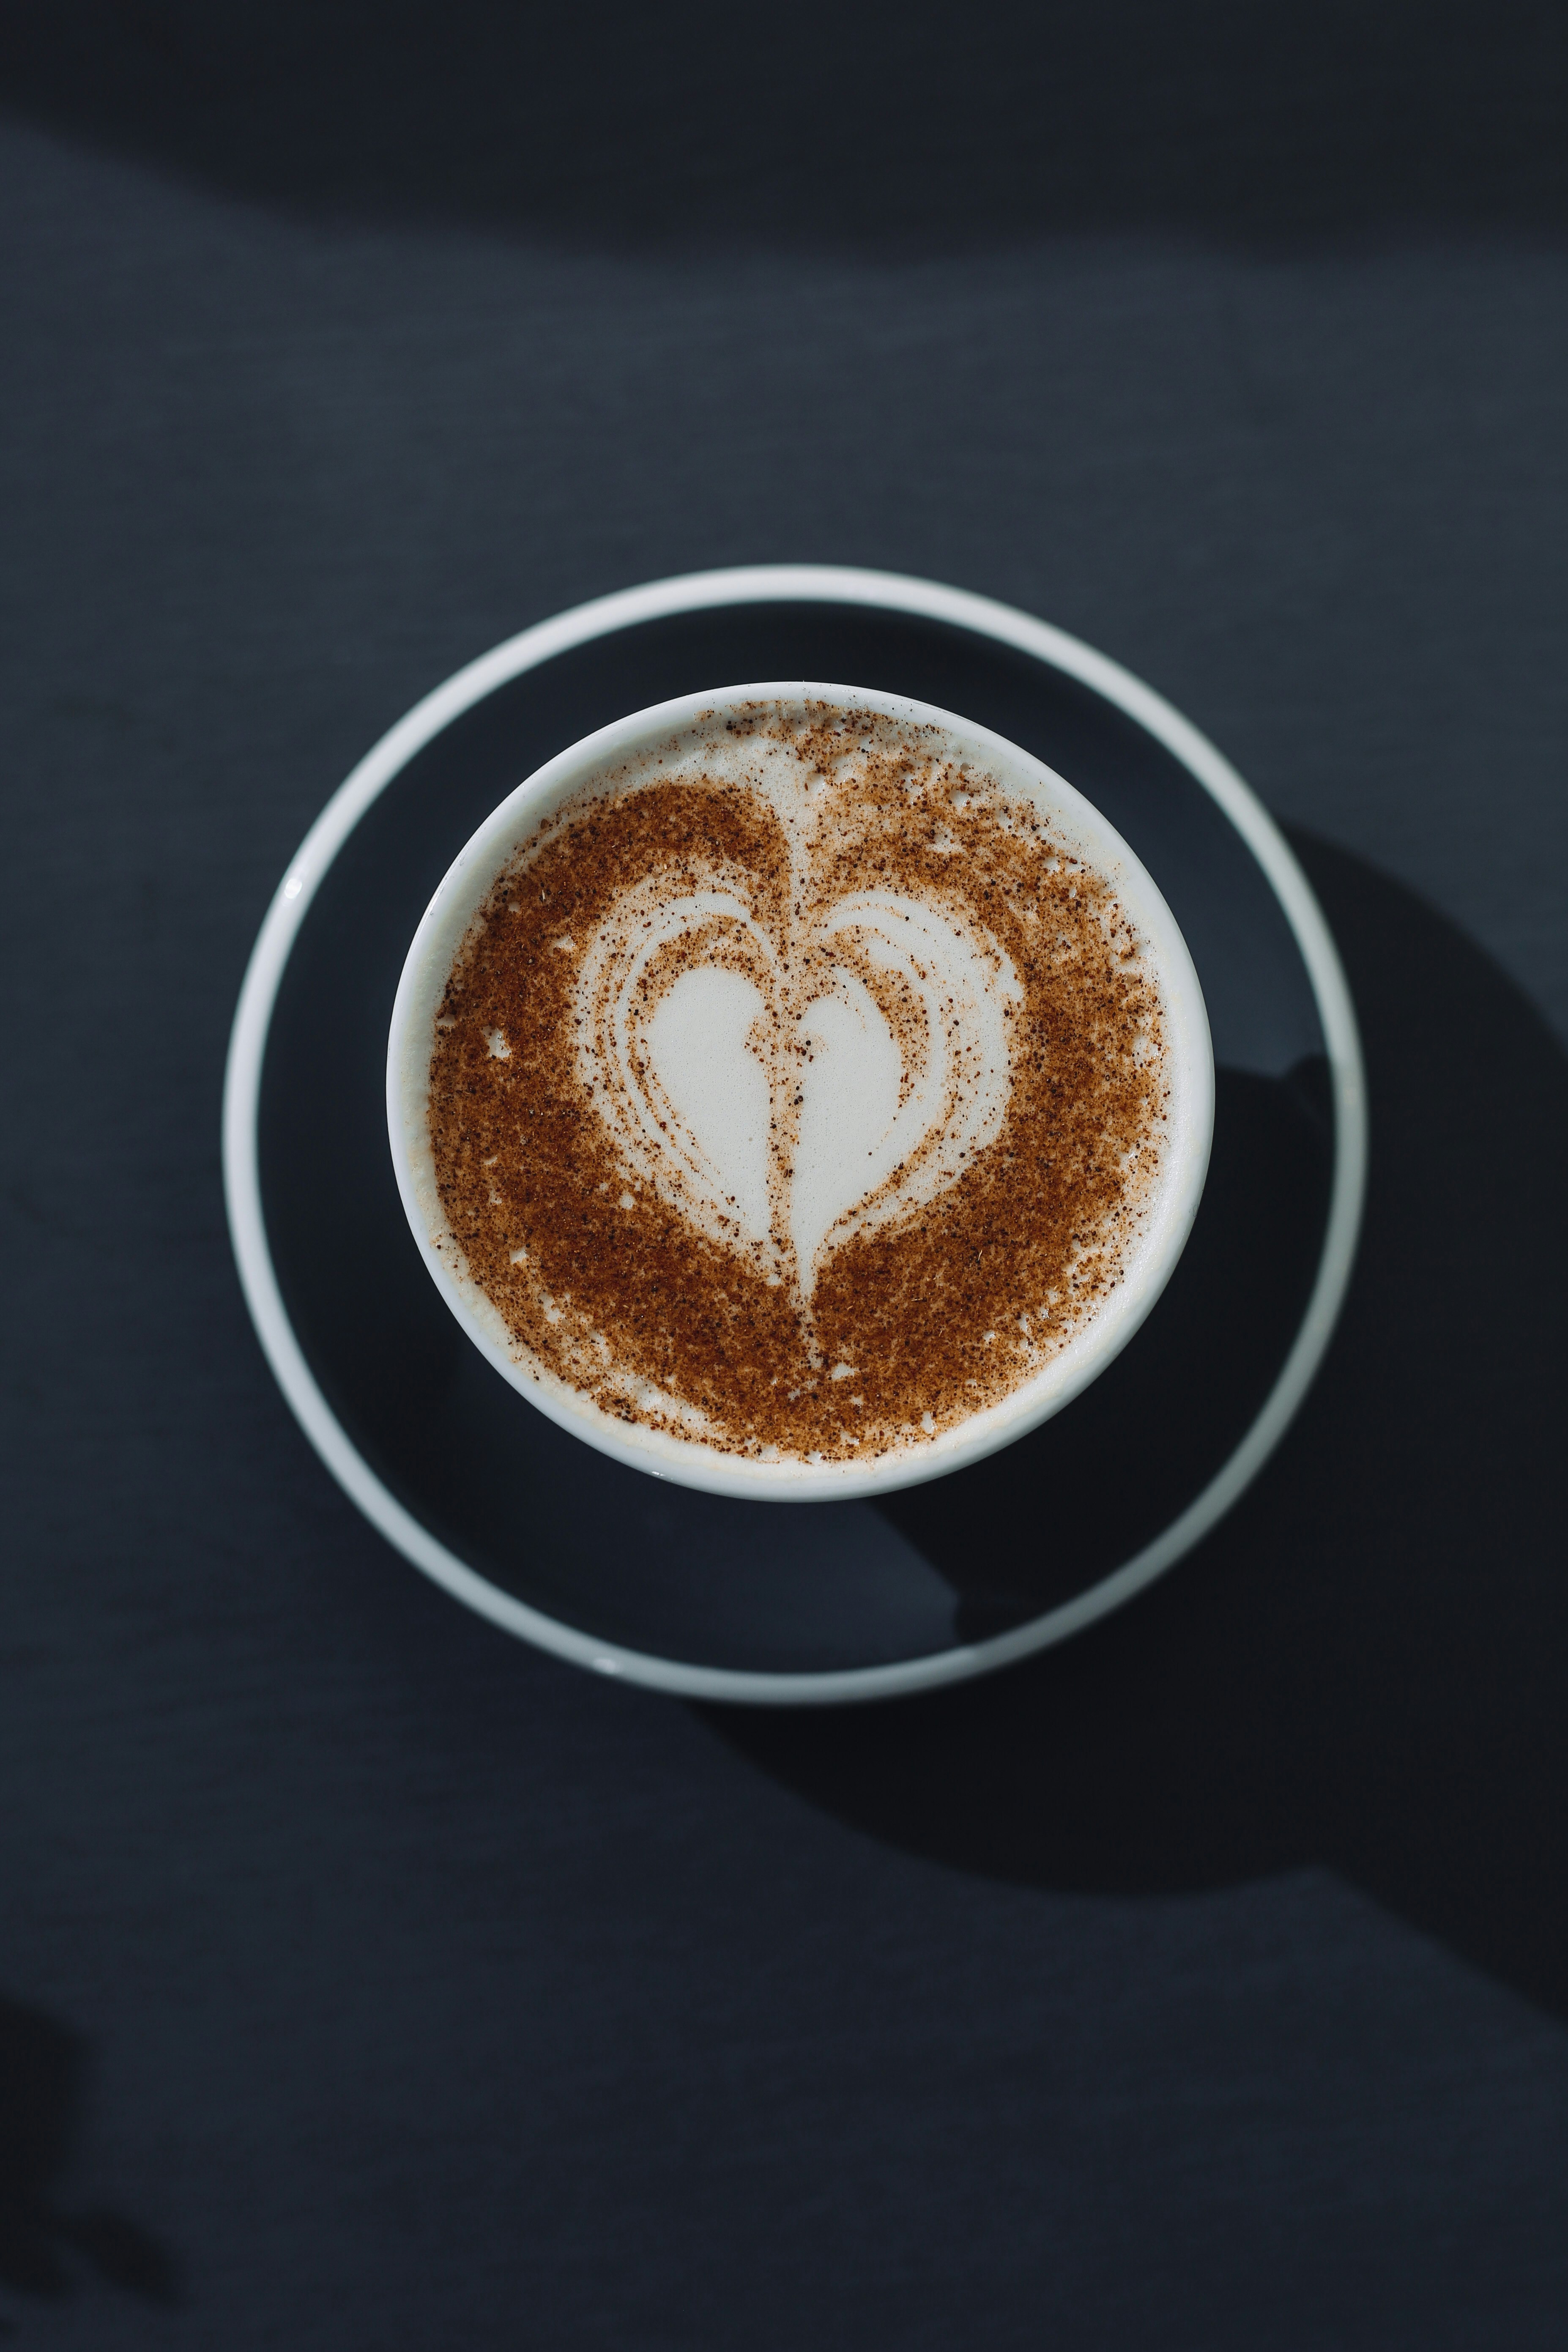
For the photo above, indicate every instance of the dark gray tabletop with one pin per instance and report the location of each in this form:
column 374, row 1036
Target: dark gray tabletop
column 367, row 1979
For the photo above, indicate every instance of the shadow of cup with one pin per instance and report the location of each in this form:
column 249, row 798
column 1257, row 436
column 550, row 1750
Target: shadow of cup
column 1364, row 1666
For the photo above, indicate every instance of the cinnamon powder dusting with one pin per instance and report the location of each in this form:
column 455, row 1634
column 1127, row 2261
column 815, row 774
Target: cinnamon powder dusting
column 648, row 1152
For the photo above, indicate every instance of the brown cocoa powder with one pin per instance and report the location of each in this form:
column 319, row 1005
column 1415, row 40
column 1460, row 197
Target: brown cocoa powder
column 939, row 1313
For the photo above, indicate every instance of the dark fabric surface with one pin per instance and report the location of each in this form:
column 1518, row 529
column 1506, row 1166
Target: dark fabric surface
column 369, row 1980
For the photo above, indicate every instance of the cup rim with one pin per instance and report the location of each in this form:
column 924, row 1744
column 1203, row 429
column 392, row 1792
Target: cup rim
column 688, row 1462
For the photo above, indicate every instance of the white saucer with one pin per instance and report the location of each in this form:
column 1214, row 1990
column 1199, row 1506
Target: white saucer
column 697, row 1593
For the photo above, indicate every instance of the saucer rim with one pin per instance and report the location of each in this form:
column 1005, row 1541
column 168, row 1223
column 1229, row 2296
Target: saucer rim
column 607, row 616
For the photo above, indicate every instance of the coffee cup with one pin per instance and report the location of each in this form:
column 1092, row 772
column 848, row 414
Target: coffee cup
column 838, row 1048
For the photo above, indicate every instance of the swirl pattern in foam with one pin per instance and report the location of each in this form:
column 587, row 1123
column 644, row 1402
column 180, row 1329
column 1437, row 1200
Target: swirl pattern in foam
column 787, row 1089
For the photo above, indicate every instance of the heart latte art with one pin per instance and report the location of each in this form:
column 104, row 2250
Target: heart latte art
column 796, row 1090
column 787, row 1093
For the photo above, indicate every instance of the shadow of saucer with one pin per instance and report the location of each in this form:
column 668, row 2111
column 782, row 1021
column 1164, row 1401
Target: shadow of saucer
column 44, row 2243
column 1364, row 1666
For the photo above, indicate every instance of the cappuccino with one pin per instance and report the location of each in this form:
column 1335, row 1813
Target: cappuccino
column 801, row 1088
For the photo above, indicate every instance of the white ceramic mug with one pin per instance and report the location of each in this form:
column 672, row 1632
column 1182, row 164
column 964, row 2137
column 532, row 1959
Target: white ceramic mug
column 1072, row 819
